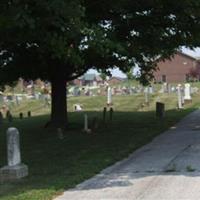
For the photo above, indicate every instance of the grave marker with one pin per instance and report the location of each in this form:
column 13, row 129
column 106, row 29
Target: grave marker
column 21, row 115
column 180, row 99
column 29, row 114
column 160, row 110
column 111, row 114
column 86, row 129
column 187, row 93
column 14, row 169
column 9, row 116
column 104, row 114
column 109, row 96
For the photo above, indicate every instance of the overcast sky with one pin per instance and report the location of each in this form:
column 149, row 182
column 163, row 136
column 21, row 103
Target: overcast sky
column 117, row 72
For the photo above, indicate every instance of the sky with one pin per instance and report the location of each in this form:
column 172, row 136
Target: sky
column 118, row 73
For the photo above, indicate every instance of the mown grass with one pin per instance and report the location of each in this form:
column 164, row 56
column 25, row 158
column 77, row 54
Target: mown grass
column 56, row 165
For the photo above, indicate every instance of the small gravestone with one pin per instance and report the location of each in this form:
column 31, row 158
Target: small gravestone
column 14, row 169
column 21, row 116
column 180, row 97
column 86, row 129
column 111, row 114
column 9, row 116
column 77, row 108
column 104, row 114
column 109, row 96
column 29, row 114
column 160, row 110
column 187, row 93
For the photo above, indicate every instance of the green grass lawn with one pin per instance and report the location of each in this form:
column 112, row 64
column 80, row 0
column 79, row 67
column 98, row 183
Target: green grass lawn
column 56, row 165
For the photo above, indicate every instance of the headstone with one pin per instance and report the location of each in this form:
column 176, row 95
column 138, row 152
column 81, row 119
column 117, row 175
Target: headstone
column 9, row 116
column 86, row 129
column 180, row 99
column 7, row 113
column 14, row 169
column 187, row 93
column 160, row 110
column 104, row 114
column 109, row 96
column 111, row 114
column 77, row 108
column 29, row 113
column 21, row 115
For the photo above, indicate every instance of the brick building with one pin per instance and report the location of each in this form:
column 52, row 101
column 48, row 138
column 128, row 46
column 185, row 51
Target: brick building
column 115, row 80
column 176, row 69
column 88, row 79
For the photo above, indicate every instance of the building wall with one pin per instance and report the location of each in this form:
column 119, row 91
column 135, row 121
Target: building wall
column 77, row 82
column 114, row 81
column 176, row 69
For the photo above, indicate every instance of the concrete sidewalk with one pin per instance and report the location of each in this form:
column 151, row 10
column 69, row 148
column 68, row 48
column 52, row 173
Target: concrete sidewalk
column 168, row 168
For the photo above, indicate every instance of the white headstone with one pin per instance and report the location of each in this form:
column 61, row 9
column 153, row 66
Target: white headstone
column 187, row 92
column 15, row 169
column 180, row 105
column 13, row 147
column 109, row 96
column 77, row 107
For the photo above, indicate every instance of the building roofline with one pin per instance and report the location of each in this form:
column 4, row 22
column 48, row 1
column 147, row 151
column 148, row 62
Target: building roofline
column 188, row 56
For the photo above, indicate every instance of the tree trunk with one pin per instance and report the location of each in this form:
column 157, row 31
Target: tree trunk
column 58, row 102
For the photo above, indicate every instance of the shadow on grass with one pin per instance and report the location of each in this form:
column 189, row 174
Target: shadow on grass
column 56, row 165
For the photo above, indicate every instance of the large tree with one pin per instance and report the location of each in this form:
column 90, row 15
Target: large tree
column 59, row 40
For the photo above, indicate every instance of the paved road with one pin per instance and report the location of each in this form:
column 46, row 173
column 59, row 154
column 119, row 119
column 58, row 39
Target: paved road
column 168, row 168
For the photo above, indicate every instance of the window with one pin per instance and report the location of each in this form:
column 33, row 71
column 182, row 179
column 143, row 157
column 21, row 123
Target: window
column 164, row 78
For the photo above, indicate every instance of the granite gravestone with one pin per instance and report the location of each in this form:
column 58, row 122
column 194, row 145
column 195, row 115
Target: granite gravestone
column 14, row 169
column 109, row 96
column 179, row 93
column 187, row 93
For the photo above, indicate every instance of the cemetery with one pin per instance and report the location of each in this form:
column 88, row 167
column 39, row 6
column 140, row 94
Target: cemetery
column 65, row 117
column 99, row 122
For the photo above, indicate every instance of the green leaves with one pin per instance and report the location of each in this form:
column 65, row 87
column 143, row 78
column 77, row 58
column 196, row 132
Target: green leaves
column 79, row 34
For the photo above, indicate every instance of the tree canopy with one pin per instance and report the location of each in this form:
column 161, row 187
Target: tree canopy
column 60, row 40
column 40, row 37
